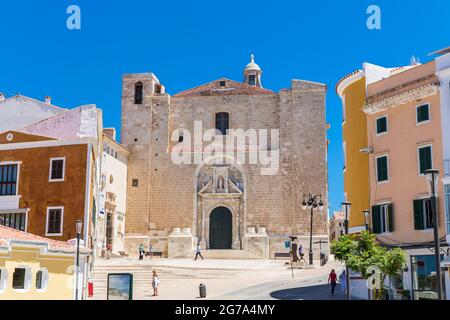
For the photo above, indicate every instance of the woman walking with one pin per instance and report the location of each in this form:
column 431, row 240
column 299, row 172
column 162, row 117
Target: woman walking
column 332, row 281
column 343, row 281
column 155, row 283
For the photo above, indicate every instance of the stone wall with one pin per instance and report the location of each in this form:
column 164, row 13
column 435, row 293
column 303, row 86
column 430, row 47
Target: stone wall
column 165, row 197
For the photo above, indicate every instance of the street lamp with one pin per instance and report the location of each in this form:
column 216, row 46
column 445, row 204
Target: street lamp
column 312, row 202
column 347, row 216
column 78, row 227
column 366, row 218
column 432, row 185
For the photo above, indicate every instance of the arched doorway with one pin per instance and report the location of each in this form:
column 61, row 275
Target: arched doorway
column 220, row 228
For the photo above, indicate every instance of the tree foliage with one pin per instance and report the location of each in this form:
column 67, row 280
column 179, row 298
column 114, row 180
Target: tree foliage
column 361, row 251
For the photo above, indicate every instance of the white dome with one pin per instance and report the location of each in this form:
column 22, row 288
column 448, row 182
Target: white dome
column 252, row 65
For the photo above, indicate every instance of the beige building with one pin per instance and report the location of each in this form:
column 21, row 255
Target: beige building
column 112, row 195
column 336, row 225
column 246, row 209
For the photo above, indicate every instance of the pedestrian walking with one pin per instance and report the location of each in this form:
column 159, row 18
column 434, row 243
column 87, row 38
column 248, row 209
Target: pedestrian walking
column 198, row 252
column 300, row 252
column 343, row 281
column 108, row 250
column 332, row 281
column 141, row 252
column 150, row 250
column 155, row 283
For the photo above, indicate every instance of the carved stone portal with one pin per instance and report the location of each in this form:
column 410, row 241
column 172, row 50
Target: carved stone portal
column 220, row 185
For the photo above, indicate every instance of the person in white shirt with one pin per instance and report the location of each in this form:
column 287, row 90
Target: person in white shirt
column 198, row 252
column 155, row 283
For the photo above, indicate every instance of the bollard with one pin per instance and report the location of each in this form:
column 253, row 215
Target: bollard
column 202, row 289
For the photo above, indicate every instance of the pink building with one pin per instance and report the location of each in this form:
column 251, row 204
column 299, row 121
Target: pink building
column 405, row 139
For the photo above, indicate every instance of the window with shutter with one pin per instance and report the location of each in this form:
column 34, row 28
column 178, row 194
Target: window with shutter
column 418, row 215
column 425, row 159
column 376, row 219
column 382, row 169
column 423, row 113
column 390, row 217
column 427, row 216
column 381, row 125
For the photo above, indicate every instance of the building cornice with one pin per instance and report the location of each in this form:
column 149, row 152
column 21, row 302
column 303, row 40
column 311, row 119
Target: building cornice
column 348, row 80
column 418, row 89
column 45, row 143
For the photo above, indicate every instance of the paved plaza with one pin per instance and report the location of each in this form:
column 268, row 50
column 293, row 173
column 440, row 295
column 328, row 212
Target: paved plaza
column 224, row 279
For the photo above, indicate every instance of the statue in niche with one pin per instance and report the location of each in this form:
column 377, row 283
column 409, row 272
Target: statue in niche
column 221, row 183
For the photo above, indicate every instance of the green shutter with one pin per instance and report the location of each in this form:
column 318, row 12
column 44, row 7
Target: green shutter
column 381, row 125
column 423, row 113
column 391, row 217
column 418, row 215
column 421, row 161
column 376, row 219
column 425, row 159
column 382, row 171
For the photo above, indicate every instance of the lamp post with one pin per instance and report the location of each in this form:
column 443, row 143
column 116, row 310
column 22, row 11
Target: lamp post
column 312, row 202
column 346, row 205
column 433, row 183
column 78, row 227
column 366, row 219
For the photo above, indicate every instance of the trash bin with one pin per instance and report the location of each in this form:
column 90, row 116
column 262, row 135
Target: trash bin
column 323, row 259
column 202, row 289
column 90, row 289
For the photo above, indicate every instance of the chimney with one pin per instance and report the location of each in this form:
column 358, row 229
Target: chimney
column 48, row 100
column 2, row 96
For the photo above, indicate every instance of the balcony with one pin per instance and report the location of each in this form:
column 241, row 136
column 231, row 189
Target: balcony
column 447, row 167
column 9, row 202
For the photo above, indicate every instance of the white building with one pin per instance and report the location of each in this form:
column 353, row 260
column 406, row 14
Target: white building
column 112, row 195
column 443, row 73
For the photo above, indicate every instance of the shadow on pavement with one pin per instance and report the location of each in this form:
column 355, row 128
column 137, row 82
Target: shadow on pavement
column 319, row 292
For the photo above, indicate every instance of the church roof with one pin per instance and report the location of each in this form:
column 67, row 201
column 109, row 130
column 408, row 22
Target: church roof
column 223, row 86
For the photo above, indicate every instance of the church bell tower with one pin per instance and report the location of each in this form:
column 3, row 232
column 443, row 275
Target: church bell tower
column 252, row 73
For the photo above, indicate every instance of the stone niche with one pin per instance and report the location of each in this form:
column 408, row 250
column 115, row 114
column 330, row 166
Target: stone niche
column 256, row 242
column 181, row 243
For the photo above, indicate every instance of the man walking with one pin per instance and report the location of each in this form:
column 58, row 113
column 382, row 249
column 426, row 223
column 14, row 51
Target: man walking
column 198, row 252
column 141, row 252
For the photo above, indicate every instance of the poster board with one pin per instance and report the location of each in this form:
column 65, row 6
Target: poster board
column 120, row 286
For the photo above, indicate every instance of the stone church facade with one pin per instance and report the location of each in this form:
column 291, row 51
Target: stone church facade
column 229, row 207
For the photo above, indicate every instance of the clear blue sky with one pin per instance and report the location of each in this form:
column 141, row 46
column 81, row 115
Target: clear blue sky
column 187, row 43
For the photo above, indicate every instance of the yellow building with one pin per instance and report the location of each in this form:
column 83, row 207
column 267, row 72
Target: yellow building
column 37, row 268
column 352, row 91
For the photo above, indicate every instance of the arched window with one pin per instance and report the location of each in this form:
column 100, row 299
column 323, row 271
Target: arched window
column 138, row 92
column 222, row 122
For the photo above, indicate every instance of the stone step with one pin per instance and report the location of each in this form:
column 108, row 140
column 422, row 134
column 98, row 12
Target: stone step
column 227, row 254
